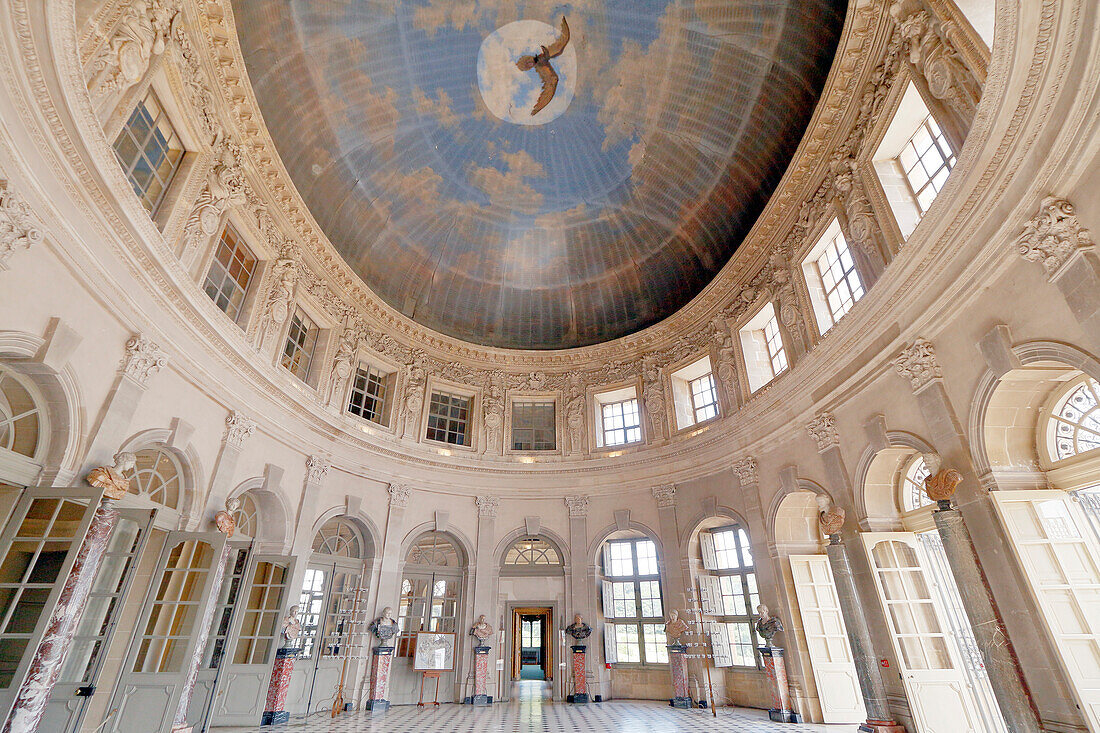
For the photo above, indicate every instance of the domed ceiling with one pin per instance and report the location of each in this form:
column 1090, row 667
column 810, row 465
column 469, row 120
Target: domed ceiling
column 415, row 131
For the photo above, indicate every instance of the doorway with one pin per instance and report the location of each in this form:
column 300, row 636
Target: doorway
column 532, row 650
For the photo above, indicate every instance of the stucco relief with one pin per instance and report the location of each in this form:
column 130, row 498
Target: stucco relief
column 19, row 229
column 1053, row 235
column 141, row 34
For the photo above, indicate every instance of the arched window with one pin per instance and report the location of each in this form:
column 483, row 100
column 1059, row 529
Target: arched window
column 1074, row 424
column 730, row 590
column 247, row 515
column 913, row 496
column 22, row 430
column 435, row 549
column 632, row 602
column 339, row 537
column 532, row 552
column 157, row 476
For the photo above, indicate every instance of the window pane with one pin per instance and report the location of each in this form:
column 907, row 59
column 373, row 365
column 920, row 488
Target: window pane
column 149, row 151
column 656, row 645
column 448, row 418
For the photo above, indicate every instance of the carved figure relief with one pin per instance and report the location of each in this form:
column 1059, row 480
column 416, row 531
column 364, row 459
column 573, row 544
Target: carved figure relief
column 140, row 35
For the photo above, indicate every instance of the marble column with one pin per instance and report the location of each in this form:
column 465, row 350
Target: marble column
column 275, row 708
column 225, row 523
column 678, row 670
column 49, row 657
column 481, row 695
column 776, row 669
column 580, row 674
column 381, row 659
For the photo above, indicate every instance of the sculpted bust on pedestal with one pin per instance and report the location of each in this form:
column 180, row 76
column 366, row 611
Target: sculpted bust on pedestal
column 675, row 627
column 767, row 625
column 292, row 625
column 579, row 630
column 384, row 627
column 481, row 630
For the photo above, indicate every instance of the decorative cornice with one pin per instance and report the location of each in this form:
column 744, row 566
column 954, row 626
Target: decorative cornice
column 399, row 495
column 238, row 428
column 823, row 430
column 578, row 505
column 746, row 471
column 19, row 228
column 665, row 495
column 1053, row 235
column 143, row 359
column 317, row 468
column 487, row 506
column 918, row 364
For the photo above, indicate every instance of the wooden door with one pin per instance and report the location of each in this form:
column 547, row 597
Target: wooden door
column 834, row 672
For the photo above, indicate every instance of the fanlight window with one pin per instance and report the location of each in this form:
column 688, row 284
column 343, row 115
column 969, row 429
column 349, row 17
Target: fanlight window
column 157, row 476
column 913, row 495
column 339, row 537
column 247, row 515
column 1074, row 425
column 532, row 551
column 433, row 549
column 20, row 420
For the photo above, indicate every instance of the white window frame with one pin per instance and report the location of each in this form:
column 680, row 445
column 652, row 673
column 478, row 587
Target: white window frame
column 623, row 610
column 683, row 401
column 239, row 311
column 621, row 396
column 848, row 286
column 762, row 346
column 533, row 400
column 151, row 205
column 312, row 327
column 722, row 579
column 470, row 423
column 384, row 376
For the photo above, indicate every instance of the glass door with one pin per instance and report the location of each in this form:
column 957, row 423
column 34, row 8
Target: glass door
column 939, row 695
column 79, row 676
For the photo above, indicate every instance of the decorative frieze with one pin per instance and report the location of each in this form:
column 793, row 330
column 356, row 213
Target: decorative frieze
column 224, row 189
column 399, row 495
column 745, row 469
column 143, row 359
column 317, row 468
column 238, row 428
column 1053, row 235
column 665, row 496
column 19, row 228
column 823, row 430
column 487, row 506
column 578, row 505
column 918, row 364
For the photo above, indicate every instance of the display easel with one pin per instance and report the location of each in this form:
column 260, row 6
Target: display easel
column 429, row 674
column 699, row 627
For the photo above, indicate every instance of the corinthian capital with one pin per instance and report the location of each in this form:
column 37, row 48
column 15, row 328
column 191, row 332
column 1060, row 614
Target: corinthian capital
column 317, row 468
column 238, row 428
column 143, row 359
column 665, row 495
column 1053, row 235
column 918, row 364
column 746, row 471
column 399, row 495
column 578, row 505
column 487, row 506
column 823, row 430
column 18, row 227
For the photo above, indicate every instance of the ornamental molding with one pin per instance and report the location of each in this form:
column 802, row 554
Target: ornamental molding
column 578, row 506
column 665, row 495
column 1053, row 235
column 823, row 430
column 918, row 364
column 238, row 428
column 317, row 468
column 399, row 495
column 143, row 359
column 746, row 471
column 487, row 506
column 19, row 228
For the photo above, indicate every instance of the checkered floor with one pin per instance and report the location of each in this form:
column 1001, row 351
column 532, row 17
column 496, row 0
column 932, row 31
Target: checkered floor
column 535, row 715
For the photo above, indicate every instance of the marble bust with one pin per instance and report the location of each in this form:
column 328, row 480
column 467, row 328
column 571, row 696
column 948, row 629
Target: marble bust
column 481, row 630
column 675, row 627
column 292, row 625
column 767, row 625
column 578, row 629
column 384, row 627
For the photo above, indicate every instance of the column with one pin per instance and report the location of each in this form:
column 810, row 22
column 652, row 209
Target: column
column 225, row 523
column 678, row 669
column 275, row 708
column 776, row 670
column 918, row 363
column 49, row 657
column 582, row 587
column 487, row 508
column 879, row 718
column 381, row 659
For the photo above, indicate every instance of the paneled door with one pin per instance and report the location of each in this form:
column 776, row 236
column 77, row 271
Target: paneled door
column 1049, row 535
column 165, row 641
column 254, row 636
column 73, row 692
column 830, row 654
column 37, row 550
column 939, row 695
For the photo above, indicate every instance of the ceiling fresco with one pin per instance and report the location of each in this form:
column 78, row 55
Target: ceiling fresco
column 417, row 134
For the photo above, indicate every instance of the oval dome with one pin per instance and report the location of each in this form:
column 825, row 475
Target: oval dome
column 410, row 129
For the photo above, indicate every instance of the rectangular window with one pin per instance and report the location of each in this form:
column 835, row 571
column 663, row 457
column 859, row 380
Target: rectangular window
column 626, row 643
column 926, row 160
column 369, row 390
column 621, row 422
column 449, row 418
column 625, row 604
column 149, row 151
column 839, row 278
column 301, row 342
column 622, row 560
column 230, row 273
column 777, row 357
column 737, row 595
column 704, row 398
column 634, row 601
column 656, row 644
column 742, row 644
column 651, row 598
column 534, row 426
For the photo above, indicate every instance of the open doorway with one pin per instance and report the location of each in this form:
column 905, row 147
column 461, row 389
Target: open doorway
column 532, row 650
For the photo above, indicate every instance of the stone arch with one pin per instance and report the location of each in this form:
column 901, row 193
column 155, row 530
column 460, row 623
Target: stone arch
column 62, row 403
column 461, row 542
column 276, row 532
column 190, row 467
column 875, row 479
column 602, row 536
column 367, row 529
column 803, row 484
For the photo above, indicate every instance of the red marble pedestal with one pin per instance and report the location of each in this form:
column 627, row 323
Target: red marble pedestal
column 276, row 690
column 380, row 678
column 481, row 695
column 580, row 678
column 678, row 668
column 777, row 680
